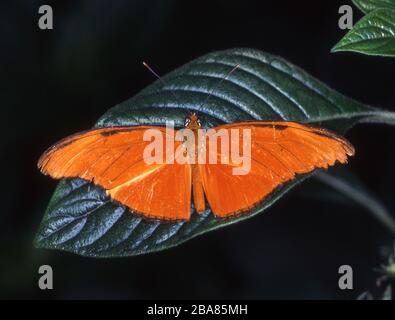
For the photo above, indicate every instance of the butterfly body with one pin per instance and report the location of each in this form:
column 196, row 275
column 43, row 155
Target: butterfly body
column 115, row 159
column 193, row 123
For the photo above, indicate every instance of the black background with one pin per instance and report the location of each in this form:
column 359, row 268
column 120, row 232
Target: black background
column 57, row 82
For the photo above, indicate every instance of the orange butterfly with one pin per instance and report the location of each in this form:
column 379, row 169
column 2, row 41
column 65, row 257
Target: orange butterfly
column 113, row 158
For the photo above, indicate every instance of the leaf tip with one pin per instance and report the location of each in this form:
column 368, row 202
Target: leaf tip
column 39, row 241
column 337, row 48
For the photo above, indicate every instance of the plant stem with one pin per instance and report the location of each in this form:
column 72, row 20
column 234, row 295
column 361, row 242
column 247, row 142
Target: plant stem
column 362, row 198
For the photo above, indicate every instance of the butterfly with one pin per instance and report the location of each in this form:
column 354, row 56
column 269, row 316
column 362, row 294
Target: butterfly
column 114, row 158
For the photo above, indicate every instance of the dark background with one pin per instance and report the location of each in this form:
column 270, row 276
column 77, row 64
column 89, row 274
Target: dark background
column 57, row 82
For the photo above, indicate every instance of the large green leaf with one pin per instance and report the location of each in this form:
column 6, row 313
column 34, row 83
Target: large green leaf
column 374, row 34
column 81, row 218
column 367, row 6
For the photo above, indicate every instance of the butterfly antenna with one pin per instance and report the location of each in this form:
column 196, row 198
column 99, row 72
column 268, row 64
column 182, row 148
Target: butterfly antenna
column 209, row 94
column 160, row 79
column 219, row 83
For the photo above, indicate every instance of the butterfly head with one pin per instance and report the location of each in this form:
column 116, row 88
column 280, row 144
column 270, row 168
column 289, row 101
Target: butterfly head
column 192, row 121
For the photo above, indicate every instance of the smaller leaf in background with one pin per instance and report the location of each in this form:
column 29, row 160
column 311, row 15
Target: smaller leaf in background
column 367, row 6
column 387, row 274
column 387, row 295
column 374, row 34
column 388, row 270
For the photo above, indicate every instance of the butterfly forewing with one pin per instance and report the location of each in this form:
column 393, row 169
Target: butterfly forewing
column 113, row 158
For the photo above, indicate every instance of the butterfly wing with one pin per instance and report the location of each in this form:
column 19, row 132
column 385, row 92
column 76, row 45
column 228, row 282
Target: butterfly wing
column 113, row 158
column 279, row 151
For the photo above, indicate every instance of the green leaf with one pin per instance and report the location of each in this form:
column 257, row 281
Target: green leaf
column 387, row 295
column 81, row 218
column 374, row 34
column 367, row 6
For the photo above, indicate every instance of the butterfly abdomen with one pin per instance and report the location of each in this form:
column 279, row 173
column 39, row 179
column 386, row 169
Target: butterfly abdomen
column 198, row 191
